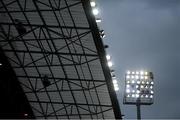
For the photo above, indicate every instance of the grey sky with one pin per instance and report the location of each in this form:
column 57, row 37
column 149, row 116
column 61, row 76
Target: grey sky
column 145, row 34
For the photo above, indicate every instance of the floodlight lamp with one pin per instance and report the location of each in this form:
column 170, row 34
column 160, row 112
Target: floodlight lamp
column 128, row 81
column 146, row 73
column 108, row 57
column 0, row 64
column 142, row 86
column 151, row 87
column 133, row 95
column 137, row 73
column 127, row 85
column 110, row 64
column 115, row 85
column 93, row 4
column 142, row 72
column 133, row 81
column 151, row 96
column 116, row 88
column 133, row 72
column 137, row 77
column 137, row 95
column 98, row 20
column 142, row 77
column 133, row 91
column 127, row 90
column 128, row 95
column 128, row 72
column 152, row 92
column 95, row 11
column 147, row 83
column 146, row 96
column 115, row 81
column 138, row 91
column 137, row 86
column 138, row 82
column 142, row 82
column 146, row 77
column 132, row 77
column 152, row 83
column 127, row 76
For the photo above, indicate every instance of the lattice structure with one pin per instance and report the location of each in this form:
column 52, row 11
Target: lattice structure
column 57, row 54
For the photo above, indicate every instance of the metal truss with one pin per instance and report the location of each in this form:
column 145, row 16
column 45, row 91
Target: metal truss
column 50, row 45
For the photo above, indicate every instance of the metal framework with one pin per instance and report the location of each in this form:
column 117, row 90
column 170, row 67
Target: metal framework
column 57, row 54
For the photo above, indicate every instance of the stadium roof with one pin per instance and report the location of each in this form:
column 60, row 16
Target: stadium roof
column 58, row 56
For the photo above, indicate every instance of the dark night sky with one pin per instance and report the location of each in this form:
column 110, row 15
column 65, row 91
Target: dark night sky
column 145, row 34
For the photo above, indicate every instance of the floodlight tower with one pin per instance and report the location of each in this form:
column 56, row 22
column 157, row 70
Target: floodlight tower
column 139, row 89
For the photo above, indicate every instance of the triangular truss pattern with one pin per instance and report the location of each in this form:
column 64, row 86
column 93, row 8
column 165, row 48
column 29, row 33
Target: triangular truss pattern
column 53, row 50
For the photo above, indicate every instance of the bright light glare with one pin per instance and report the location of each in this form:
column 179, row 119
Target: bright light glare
column 146, row 73
column 152, row 83
column 0, row 64
column 147, row 83
column 151, row 87
column 142, row 72
column 146, row 96
column 116, row 88
column 133, row 95
column 108, row 57
column 151, row 96
column 127, row 76
column 137, row 72
column 133, row 72
column 128, row 95
column 128, row 86
column 146, row 77
column 137, row 77
column 142, row 77
column 133, row 81
column 110, row 64
column 93, row 4
column 142, row 82
column 152, row 92
column 98, row 20
column 137, row 95
column 137, row 86
column 115, row 81
column 128, row 72
column 138, row 82
column 128, row 91
column 132, row 77
column 95, row 11
column 133, row 91
column 142, row 86
column 138, row 91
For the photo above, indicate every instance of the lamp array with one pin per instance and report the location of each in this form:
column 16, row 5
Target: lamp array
column 139, row 84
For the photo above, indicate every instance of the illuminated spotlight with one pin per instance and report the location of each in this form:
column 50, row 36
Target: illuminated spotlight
column 151, row 96
column 142, row 77
column 146, row 73
column 0, row 64
column 128, row 95
column 151, row 87
column 95, row 11
column 110, row 64
column 127, row 85
column 137, row 95
column 133, row 91
column 133, row 95
column 142, row 96
column 146, row 77
column 127, row 76
column 98, row 20
column 146, row 87
column 137, row 72
column 128, row 81
column 133, row 81
column 128, row 91
column 128, row 72
column 142, row 72
column 152, row 83
column 152, row 92
column 143, row 82
column 115, row 81
column 138, row 91
column 132, row 77
column 142, row 86
column 147, row 83
column 108, row 57
column 116, row 88
column 138, row 82
column 93, row 4
column 137, row 86
column 146, row 96
column 137, row 77
column 133, row 72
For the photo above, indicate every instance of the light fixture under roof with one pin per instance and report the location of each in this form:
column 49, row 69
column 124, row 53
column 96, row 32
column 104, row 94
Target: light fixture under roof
column 93, row 3
column 95, row 11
